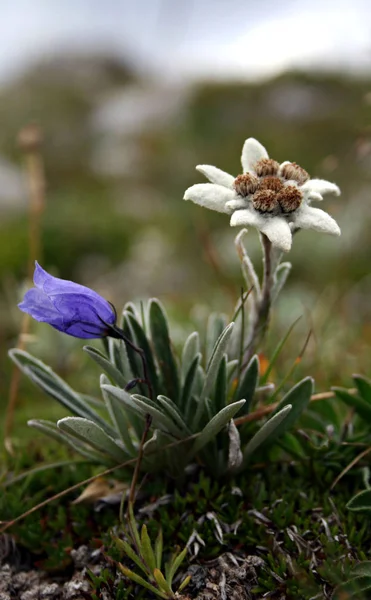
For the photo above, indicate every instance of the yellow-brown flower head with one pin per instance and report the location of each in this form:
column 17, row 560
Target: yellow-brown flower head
column 293, row 171
column 266, row 166
column 265, row 201
column 246, row 184
column 289, row 198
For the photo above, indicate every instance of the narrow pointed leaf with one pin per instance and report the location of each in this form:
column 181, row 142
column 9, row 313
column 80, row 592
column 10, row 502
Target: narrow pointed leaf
column 298, row 397
column 138, row 579
column 162, row 345
column 160, row 418
column 174, row 566
column 219, row 350
column 173, row 413
column 248, row 383
column 54, row 386
column 220, row 394
column 106, row 365
column 189, row 382
column 162, row 583
column 93, row 435
column 158, row 549
column 265, row 432
column 361, row 406
column 364, row 387
column 128, row 550
column 118, row 416
column 216, row 424
column 191, row 349
column 147, row 550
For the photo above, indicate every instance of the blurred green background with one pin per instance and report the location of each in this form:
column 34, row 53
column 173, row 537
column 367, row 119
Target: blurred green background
column 121, row 146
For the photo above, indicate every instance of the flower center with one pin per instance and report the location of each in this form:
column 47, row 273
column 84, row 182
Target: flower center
column 246, row 184
column 289, row 198
column 265, row 201
column 271, row 183
column 292, row 171
column 266, row 166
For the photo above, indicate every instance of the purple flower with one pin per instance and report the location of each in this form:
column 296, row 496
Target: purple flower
column 68, row 307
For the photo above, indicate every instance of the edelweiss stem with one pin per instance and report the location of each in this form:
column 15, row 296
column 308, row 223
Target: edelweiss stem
column 120, row 334
column 261, row 321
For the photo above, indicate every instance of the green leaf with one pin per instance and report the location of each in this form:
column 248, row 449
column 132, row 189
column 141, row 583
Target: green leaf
column 162, row 583
column 160, row 418
column 147, row 550
column 125, row 547
column 216, row 424
column 248, row 383
column 140, row 339
column 173, row 413
column 93, row 435
column 298, row 397
column 220, row 394
column 138, row 579
column 218, row 352
column 189, row 382
column 265, row 433
column 159, row 545
column 364, row 387
column 162, row 345
column 55, row 387
column 106, row 365
column 118, row 416
column 361, row 502
column 191, row 349
column 174, row 566
column 362, row 407
column 51, row 429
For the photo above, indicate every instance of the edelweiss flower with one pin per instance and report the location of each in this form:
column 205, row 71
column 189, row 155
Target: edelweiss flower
column 273, row 198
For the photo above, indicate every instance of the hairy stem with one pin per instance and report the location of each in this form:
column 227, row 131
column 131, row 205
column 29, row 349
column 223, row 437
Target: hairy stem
column 261, row 318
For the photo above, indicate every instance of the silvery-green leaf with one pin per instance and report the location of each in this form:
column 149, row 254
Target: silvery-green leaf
column 215, row 326
column 160, row 419
column 191, row 349
column 189, row 382
column 235, row 455
column 115, row 353
column 217, row 354
column 140, row 339
column 53, row 385
column 280, row 276
column 199, row 381
column 265, row 432
column 164, row 354
column 51, row 429
column 248, row 383
column 118, row 416
column 106, row 365
column 93, row 435
column 216, row 424
column 298, row 397
column 220, row 394
column 129, row 405
column 172, row 411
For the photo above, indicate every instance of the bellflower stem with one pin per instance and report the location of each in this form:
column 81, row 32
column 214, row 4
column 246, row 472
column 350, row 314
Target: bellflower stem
column 120, row 334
